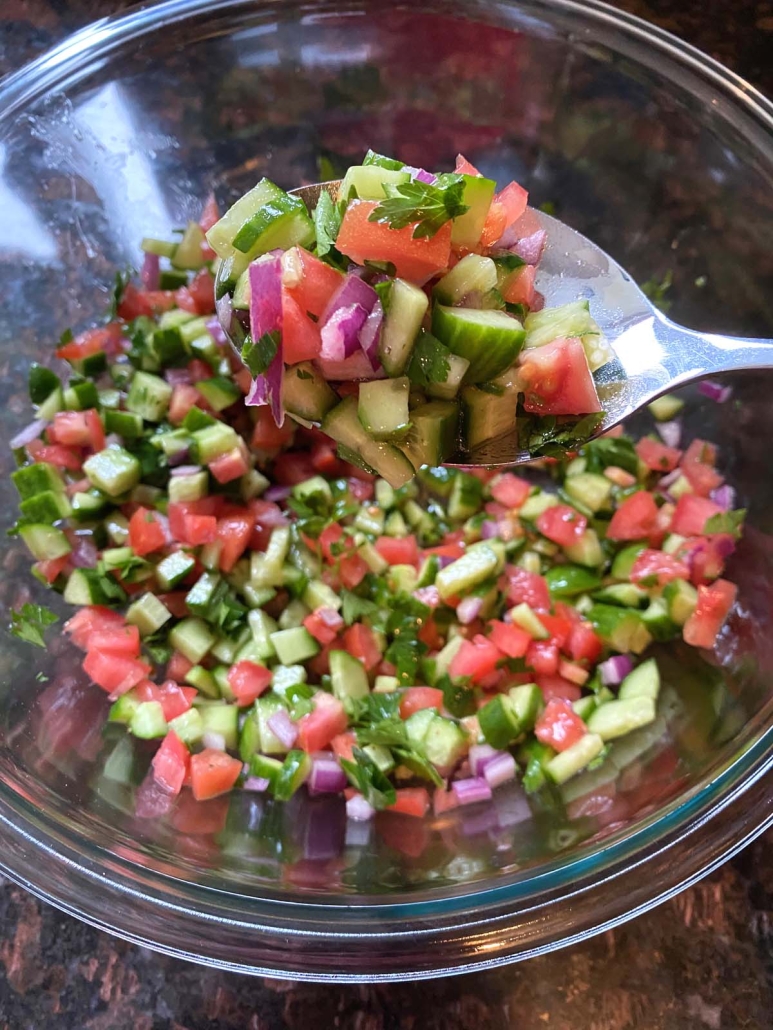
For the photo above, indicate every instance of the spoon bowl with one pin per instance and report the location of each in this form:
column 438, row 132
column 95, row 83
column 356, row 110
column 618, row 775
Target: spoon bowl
column 652, row 354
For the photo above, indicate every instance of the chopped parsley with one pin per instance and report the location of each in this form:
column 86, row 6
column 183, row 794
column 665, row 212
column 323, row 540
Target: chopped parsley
column 30, row 622
column 429, row 362
column 258, row 355
column 427, row 207
column 726, row 522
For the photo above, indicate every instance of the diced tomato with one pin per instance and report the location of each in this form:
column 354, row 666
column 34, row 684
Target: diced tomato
column 714, row 604
column 317, row 729
column 114, row 674
column 654, row 568
column 248, row 680
column 511, row 640
column 352, row 568
column 584, row 644
column 210, row 213
column 171, row 763
column 179, row 666
column 513, row 201
column 444, row 801
column 360, row 642
column 293, row 467
column 184, row 397
column 213, row 772
column 324, row 624
column 542, row 656
column 174, row 699
column 123, row 641
column 417, row 698
column 414, row 259
column 342, row 746
column 198, row 369
column 312, row 283
column 510, row 490
column 234, row 533
column 267, row 435
column 657, row 456
column 692, row 513
column 178, row 510
column 698, row 466
column 494, row 226
column 360, row 484
column 200, row 529
column 92, row 341
column 398, row 550
column 559, row 627
column 454, row 547
column 519, row 286
column 146, row 532
column 268, row 517
column 430, row 635
column 50, row 568
column 635, row 517
column 175, row 602
column 527, row 588
column 201, row 291
column 463, row 166
column 558, row 687
column 243, row 379
column 562, row 524
column 476, row 658
column 89, row 620
column 57, row 455
column 324, row 458
column 136, row 302
column 300, row 336
column 705, row 556
column 229, row 466
column 328, row 539
column 411, row 801
column 556, row 379
column 78, row 429
column 559, row 726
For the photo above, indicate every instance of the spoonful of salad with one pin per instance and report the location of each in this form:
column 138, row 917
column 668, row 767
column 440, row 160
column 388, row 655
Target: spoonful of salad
column 425, row 319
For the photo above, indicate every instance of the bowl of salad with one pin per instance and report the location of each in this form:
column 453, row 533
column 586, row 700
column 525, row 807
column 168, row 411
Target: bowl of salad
column 282, row 691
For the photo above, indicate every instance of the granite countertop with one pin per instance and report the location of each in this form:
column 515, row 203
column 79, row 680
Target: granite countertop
column 703, row 960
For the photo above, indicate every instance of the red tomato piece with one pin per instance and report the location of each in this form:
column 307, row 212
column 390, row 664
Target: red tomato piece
column 213, row 772
column 198, row 369
column 171, row 763
column 248, row 680
column 200, row 529
column 559, row 627
column 411, row 801
column 430, row 635
column 184, row 397
column 89, row 620
column 398, row 550
column 293, row 467
column 510, row 490
column 654, row 568
column 317, row 729
column 562, row 524
column 692, row 513
column 542, row 656
column 417, row 698
column 229, row 466
column 328, row 539
column 494, row 226
column 584, row 644
column 313, row 282
column 360, row 642
column 324, row 459
column 234, row 531
column 114, row 674
column 714, row 604
column 519, row 287
column 556, row 379
column 324, row 624
column 175, row 602
column 559, row 726
column 657, row 456
column 705, row 556
column 635, row 517
column 300, row 336
column 698, row 466
column 177, row 510
column 146, row 532
column 268, row 516
column 476, row 658
column 210, row 213
column 267, row 435
column 463, row 166
column 352, row 568
column 92, row 341
column 512, row 201
column 342, row 746
column 511, row 640
column 123, row 640
column 558, row 687
column 414, row 259
column 174, row 699
column 201, row 290
column 527, row 588
column 178, row 668
column 77, row 429
column 50, row 568
column 135, row 302
column 56, row 455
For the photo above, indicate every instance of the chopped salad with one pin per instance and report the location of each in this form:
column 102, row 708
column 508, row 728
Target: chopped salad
column 278, row 617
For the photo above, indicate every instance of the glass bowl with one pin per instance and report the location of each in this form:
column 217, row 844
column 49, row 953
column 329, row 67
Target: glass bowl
column 650, row 148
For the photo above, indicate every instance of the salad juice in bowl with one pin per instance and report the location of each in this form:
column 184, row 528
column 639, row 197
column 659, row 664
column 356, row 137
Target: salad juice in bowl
column 307, row 688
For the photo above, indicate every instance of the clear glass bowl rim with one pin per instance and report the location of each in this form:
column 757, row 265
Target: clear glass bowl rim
column 480, row 925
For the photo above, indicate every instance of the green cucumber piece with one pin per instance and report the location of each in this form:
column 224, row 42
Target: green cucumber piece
column 294, row 646
column 191, row 487
column 45, row 542
column 625, row 595
column 342, row 423
column 621, row 628
column 212, row 441
column 568, row 763
column 405, row 306
column 368, row 181
column 203, row 680
column 113, row 471
column 527, row 619
column 192, row 638
column 473, row 274
column 41, row 383
column 665, row 408
column 570, row 580
column 616, row 718
column 148, row 721
column 173, row 569
column 148, row 614
column 125, row 423
column 149, row 396
column 431, row 439
column 479, row 563
column 382, row 407
column 489, row 340
column 85, row 586
column 295, row 770
column 263, row 219
column 681, row 598
column 188, row 254
column 305, row 392
column 39, row 478
column 48, row 506
column 467, row 228
column 623, row 562
column 223, row 720
column 348, row 676
column 444, row 742
column 466, row 497
column 220, row 393
column 189, row 726
column 490, row 411
column 658, row 621
column 591, row 490
column 573, row 319
column 643, row 681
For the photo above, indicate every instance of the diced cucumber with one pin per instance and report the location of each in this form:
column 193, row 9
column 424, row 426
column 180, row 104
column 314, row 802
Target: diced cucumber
column 192, row 638
column 417, row 725
column 446, row 655
column 117, row 526
column 262, row 626
column 466, row 496
column 680, row 486
column 621, row 628
column 479, row 563
column 573, row 319
column 616, row 718
column 315, row 490
column 188, row 254
column 83, row 395
column 293, row 774
column 148, row 614
column 256, row 734
column 568, row 763
column 294, row 645
column 88, row 506
column 444, row 742
column 203, row 680
column 113, row 471
column 149, row 396
column 45, row 542
column 383, row 407
column 48, row 506
column 226, row 648
column 220, row 393
column 402, row 579
column 499, row 722
column 348, row 676
column 305, row 392
column 477, row 196
column 385, row 684
column 319, row 595
column 148, row 721
column 191, row 487
column 473, row 274
column 404, row 311
column 162, row 248
column 591, row 490
column 125, row 423
column 51, row 405
column 368, row 181
column 570, row 580
column 431, row 439
column 643, row 681
column 85, row 586
column 124, row 708
column 39, row 478
column 266, row 570
column 527, row 704
column 173, row 569
column 489, row 340
column 626, row 595
column 665, row 408
column 261, row 220
column 213, row 441
column 189, row 726
column 658, row 622
column 487, row 415
column 342, row 423
column 223, row 720
column 294, row 614
column 584, row 706
column 681, row 598
column 535, row 505
column 527, row 619
column 41, row 382
column 622, row 566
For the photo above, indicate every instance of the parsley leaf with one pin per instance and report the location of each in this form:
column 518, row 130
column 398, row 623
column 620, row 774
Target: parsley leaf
column 30, row 621
column 609, row 450
column 257, row 356
column 458, row 699
column 429, row 362
column 428, row 206
column 355, row 607
column 327, row 221
column 299, row 697
column 548, row 436
column 726, row 522
column 122, row 280
column 125, row 567
column 366, row 776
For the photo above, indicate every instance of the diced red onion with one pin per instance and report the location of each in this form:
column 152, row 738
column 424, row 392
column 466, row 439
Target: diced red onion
column 420, row 175
column 28, row 434
column 724, row 545
column 152, row 801
column 266, row 317
column 225, row 311
column 468, row 610
column 340, row 334
column 257, row 783
column 113, row 440
column 327, row 776
column 177, row 376
column 179, row 457
column 615, row 669
column 445, row 560
column 479, row 757
column 499, row 770
column 84, row 552
column 186, row 470
column 428, row 595
column 358, row 366
column 358, row 809
column 669, row 479
column 473, row 299
column 670, row 432
column 724, row 496
column 150, row 272
column 351, row 291
column 283, row 728
column 537, row 301
column 215, row 330
column 370, row 334
column 277, row 493
column 331, row 618
column 489, row 529
column 714, row 391
column 214, row 740
column 471, row 791
column 530, row 248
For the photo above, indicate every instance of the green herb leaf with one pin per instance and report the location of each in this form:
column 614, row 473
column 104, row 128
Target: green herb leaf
column 122, row 280
column 428, row 206
column 299, row 697
column 372, row 158
column 355, row 607
column 457, row 698
column 726, row 522
column 30, row 621
column 429, row 361
column 257, row 356
column 366, row 776
column 327, row 223
column 656, row 290
column 609, row 450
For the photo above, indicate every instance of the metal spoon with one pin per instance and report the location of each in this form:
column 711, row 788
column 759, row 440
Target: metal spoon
column 653, row 355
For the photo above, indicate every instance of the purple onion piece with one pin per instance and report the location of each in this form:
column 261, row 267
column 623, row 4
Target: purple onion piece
column 421, row 175
column 84, row 553
column 489, row 529
column 340, row 334
column 277, row 493
column 614, row 670
column 714, row 391
column 528, row 249
column 357, row 366
column 178, row 458
column 266, row 317
column 358, row 809
column 150, row 272
column 499, row 770
column 471, row 791
column 724, row 496
column 670, row 432
column 479, row 757
column 669, row 479
column 225, row 312
column 469, row 609
column 283, row 728
column 214, row 740
column 186, row 470
column 215, row 330
column 327, row 776
column 28, row 434
column 428, row 595
column 351, row 291
column 256, row 783
column 370, row 334
column 177, row 376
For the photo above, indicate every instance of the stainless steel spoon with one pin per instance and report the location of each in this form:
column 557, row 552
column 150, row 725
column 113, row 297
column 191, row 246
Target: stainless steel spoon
column 653, row 355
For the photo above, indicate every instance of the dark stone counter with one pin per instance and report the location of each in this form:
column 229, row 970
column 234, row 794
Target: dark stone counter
column 703, row 960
